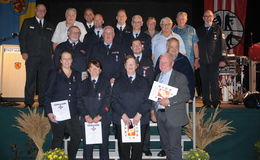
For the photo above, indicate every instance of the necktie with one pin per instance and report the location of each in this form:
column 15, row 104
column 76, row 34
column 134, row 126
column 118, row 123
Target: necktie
column 161, row 77
column 94, row 83
column 136, row 35
column 130, row 79
column 89, row 26
column 40, row 23
column 107, row 46
column 138, row 58
column 121, row 29
column 73, row 45
column 98, row 34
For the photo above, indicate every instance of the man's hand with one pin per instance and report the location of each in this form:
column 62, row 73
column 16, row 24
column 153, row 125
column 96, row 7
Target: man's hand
column 196, row 64
column 25, row 56
column 153, row 117
column 222, row 64
column 52, row 117
column 164, row 102
column 88, row 119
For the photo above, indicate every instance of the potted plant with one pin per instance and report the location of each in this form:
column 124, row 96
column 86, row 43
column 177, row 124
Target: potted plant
column 55, row 154
column 196, row 154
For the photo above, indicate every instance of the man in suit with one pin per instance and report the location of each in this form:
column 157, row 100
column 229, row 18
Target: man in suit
column 137, row 33
column 35, row 43
column 109, row 53
column 95, row 35
column 170, row 112
column 89, row 18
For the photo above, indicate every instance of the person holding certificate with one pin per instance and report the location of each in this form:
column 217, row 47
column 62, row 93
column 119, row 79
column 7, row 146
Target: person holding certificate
column 62, row 87
column 130, row 107
column 94, row 102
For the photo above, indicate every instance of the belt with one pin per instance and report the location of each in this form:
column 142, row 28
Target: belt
column 161, row 110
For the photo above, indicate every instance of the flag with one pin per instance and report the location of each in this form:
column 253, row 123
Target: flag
column 230, row 15
column 12, row 14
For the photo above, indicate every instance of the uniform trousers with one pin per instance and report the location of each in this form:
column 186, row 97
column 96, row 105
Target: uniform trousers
column 72, row 127
column 130, row 151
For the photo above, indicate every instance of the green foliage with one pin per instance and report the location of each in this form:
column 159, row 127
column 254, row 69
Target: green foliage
column 196, row 154
column 257, row 146
column 56, row 154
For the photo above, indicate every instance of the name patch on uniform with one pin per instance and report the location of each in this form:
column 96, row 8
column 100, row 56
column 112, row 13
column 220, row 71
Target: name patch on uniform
column 31, row 27
column 115, row 52
column 50, row 29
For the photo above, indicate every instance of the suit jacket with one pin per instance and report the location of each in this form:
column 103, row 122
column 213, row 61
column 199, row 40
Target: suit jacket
column 182, row 64
column 176, row 112
column 121, row 35
column 87, row 28
column 34, row 39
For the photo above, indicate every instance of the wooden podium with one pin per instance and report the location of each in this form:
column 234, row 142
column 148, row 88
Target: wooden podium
column 12, row 73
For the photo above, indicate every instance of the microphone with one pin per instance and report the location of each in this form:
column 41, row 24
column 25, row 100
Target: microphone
column 15, row 35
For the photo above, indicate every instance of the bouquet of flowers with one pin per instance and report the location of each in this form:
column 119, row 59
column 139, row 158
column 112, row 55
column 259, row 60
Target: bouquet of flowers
column 196, row 154
column 55, row 154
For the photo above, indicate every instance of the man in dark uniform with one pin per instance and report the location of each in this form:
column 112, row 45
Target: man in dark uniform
column 136, row 33
column 95, row 35
column 145, row 68
column 211, row 48
column 109, row 53
column 121, row 28
column 73, row 44
column 35, row 43
column 89, row 18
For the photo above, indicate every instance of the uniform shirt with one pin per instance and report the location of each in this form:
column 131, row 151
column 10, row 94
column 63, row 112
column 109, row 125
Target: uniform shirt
column 112, row 59
column 159, row 44
column 95, row 98
column 211, row 44
column 60, row 87
column 130, row 98
column 80, row 55
column 189, row 37
column 61, row 32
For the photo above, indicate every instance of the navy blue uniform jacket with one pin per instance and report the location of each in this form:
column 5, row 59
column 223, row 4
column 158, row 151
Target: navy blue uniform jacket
column 95, row 99
column 112, row 59
column 80, row 55
column 60, row 87
column 130, row 98
column 182, row 65
column 91, row 39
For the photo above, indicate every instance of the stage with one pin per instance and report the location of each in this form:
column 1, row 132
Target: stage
column 238, row 146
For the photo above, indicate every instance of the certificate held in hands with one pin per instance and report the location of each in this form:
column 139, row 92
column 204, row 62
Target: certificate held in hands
column 131, row 134
column 160, row 90
column 61, row 110
column 93, row 133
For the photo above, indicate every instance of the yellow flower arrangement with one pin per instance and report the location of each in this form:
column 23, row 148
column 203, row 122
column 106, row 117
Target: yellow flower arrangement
column 55, row 154
column 196, row 154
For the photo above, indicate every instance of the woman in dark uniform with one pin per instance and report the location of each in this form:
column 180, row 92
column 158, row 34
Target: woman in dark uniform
column 94, row 103
column 130, row 101
column 63, row 84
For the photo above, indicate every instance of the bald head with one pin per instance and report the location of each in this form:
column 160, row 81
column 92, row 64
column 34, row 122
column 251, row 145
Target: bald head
column 166, row 62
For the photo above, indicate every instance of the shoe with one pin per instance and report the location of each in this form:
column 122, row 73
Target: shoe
column 161, row 153
column 147, row 153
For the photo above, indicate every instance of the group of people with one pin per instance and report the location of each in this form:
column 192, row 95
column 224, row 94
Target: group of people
column 106, row 74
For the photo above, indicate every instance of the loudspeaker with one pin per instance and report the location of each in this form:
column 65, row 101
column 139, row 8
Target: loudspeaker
column 252, row 100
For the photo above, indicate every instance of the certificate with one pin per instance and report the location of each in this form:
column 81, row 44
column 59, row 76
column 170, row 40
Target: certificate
column 131, row 134
column 61, row 110
column 160, row 90
column 93, row 133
